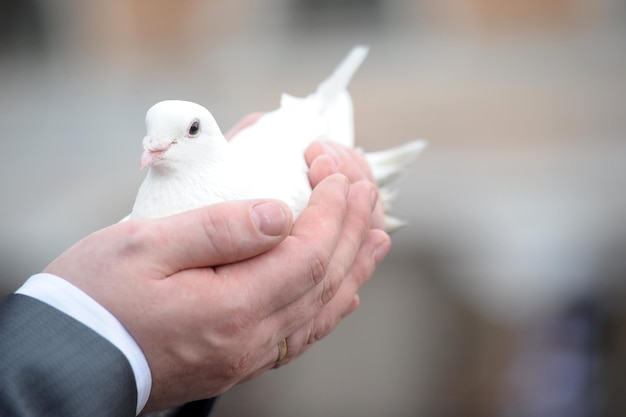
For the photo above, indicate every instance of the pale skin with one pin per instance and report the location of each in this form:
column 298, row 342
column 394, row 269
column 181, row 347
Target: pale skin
column 208, row 294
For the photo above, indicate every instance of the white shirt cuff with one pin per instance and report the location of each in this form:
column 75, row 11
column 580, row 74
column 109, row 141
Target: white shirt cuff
column 67, row 298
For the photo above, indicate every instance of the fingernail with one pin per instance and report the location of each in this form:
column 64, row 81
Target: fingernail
column 269, row 218
column 373, row 198
column 330, row 151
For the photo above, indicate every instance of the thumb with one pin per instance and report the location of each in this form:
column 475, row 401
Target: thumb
column 217, row 234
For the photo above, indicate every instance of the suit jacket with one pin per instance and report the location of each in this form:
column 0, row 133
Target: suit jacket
column 53, row 365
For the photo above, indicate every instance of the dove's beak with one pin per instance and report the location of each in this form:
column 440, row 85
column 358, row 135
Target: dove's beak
column 154, row 150
column 150, row 157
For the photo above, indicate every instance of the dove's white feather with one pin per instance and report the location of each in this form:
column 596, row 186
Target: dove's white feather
column 190, row 169
column 388, row 165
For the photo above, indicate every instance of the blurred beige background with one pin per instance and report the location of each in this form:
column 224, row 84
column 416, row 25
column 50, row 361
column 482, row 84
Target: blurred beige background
column 503, row 297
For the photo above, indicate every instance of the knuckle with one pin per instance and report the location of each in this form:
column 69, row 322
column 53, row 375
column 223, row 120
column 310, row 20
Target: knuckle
column 137, row 234
column 238, row 366
column 328, row 292
column 233, row 324
column 318, row 262
column 321, row 328
column 218, row 231
column 238, row 357
column 236, row 318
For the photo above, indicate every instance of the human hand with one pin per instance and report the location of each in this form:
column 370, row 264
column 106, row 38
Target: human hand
column 246, row 121
column 205, row 298
column 325, row 159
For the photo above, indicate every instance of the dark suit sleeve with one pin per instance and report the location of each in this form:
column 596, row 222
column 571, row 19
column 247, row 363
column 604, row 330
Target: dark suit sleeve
column 53, row 365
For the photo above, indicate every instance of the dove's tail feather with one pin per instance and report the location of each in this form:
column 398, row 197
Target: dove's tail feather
column 332, row 101
column 338, row 81
column 387, row 166
column 393, row 224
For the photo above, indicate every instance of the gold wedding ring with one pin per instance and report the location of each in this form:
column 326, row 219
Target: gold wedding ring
column 282, row 351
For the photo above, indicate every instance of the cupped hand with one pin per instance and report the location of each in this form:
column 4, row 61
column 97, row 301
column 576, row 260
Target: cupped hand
column 208, row 294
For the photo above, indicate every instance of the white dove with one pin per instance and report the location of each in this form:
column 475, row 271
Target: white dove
column 191, row 164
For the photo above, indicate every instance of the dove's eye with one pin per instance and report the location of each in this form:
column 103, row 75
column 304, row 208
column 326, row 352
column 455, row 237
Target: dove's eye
column 194, row 129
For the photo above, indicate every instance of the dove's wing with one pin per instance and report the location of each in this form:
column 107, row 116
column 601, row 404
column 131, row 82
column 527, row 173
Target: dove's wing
column 325, row 114
column 334, row 103
column 279, row 138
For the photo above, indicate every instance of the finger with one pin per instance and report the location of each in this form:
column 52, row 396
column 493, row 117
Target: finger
column 247, row 121
column 374, row 249
column 300, row 262
column 352, row 163
column 346, row 255
column 356, row 301
column 209, row 236
column 348, row 161
column 321, row 167
column 314, row 150
column 326, row 158
column 361, row 202
column 355, row 228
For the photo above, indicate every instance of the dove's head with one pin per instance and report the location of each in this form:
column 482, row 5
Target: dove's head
column 178, row 131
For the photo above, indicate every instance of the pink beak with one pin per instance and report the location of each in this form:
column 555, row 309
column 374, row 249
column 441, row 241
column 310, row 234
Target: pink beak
column 154, row 148
column 150, row 157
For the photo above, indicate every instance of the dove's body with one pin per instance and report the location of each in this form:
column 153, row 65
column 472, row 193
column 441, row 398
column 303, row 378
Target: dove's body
column 194, row 165
column 260, row 163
